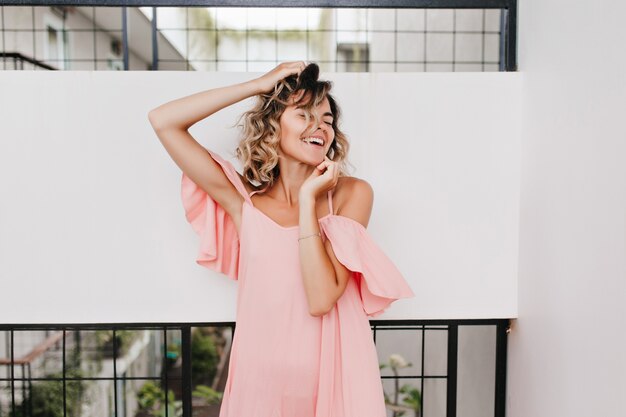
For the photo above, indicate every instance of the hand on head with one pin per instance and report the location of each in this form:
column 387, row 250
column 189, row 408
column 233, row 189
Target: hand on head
column 267, row 81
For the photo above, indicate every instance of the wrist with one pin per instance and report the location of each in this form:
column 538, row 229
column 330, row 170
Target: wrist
column 306, row 201
column 256, row 86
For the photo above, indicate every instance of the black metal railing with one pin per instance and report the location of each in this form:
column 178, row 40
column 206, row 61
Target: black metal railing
column 19, row 61
column 177, row 377
column 507, row 50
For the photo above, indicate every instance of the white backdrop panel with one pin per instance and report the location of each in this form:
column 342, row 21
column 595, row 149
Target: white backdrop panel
column 92, row 227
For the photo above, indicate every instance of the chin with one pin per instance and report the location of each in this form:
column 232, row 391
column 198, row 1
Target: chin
column 310, row 160
column 315, row 162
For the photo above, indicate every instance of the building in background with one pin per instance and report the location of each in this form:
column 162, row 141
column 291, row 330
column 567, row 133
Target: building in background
column 251, row 39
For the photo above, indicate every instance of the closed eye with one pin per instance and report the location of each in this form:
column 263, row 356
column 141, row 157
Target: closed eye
column 328, row 123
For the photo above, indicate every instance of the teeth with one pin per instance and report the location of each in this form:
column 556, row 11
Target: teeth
column 315, row 140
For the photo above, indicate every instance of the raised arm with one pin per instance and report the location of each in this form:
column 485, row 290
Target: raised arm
column 171, row 122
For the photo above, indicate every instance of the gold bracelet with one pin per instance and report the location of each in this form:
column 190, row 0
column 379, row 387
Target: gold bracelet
column 316, row 234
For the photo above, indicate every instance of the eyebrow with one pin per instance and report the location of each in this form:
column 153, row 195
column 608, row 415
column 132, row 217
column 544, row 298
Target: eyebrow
column 325, row 114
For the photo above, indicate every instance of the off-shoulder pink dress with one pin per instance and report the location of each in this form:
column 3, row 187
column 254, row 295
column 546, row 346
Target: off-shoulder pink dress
column 284, row 361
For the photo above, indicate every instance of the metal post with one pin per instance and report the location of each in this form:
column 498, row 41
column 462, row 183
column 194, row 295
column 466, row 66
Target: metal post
column 186, row 374
column 453, row 351
column 501, row 348
column 155, row 41
column 125, row 35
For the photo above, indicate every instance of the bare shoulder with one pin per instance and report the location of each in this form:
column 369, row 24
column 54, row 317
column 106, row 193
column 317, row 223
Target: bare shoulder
column 347, row 186
column 354, row 198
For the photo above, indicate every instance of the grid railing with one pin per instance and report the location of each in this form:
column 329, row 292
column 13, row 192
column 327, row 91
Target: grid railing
column 360, row 36
column 126, row 369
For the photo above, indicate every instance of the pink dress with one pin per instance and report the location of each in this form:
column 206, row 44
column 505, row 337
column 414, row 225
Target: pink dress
column 285, row 362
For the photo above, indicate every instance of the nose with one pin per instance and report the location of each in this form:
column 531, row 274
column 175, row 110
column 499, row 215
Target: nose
column 325, row 128
column 320, row 131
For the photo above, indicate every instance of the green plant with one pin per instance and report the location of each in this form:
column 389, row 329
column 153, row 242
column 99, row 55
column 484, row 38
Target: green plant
column 412, row 398
column 46, row 397
column 204, row 358
column 173, row 350
column 124, row 339
column 209, row 394
column 151, row 399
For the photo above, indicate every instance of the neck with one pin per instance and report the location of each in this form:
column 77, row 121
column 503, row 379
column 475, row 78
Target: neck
column 286, row 190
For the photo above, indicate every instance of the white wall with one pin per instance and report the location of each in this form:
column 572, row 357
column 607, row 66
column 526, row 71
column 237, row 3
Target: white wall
column 92, row 228
column 567, row 355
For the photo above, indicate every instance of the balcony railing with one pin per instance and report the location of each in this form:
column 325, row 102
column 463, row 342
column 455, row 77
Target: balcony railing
column 198, row 41
column 126, row 369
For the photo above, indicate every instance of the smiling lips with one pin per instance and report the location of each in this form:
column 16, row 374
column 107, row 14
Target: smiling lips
column 316, row 141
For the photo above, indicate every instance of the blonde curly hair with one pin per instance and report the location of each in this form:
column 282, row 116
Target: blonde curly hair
column 258, row 147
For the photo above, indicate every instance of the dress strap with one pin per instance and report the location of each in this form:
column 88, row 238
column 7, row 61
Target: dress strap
column 330, row 201
column 258, row 191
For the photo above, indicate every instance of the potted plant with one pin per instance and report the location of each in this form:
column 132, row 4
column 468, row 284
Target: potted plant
column 172, row 354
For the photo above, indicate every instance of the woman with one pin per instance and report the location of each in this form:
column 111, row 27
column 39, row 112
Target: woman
column 309, row 274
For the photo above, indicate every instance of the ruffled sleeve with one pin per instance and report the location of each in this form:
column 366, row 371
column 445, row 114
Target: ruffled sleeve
column 219, row 241
column 379, row 280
